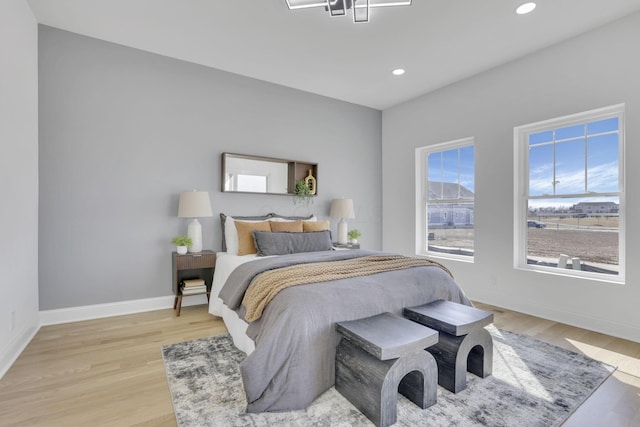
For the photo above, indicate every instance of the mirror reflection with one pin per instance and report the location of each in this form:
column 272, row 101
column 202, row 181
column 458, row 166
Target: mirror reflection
column 254, row 174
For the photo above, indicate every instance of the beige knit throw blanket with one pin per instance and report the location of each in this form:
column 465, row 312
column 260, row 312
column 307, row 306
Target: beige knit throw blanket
column 266, row 286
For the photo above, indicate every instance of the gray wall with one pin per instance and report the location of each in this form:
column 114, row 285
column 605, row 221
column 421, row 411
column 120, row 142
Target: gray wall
column 123, row 132
column 594, row 70
column 18, row 179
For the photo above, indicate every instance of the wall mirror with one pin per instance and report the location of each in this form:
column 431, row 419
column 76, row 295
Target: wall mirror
column 265, row 175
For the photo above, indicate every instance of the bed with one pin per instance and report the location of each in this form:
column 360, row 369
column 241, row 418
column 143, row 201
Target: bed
column 291, row 344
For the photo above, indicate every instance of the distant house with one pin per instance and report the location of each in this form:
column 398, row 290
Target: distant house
column 595, row 208
column 450, row 205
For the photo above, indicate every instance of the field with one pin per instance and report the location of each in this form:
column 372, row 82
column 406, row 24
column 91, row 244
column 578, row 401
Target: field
column 588, row 245
column 579, row 223
column 593, row 240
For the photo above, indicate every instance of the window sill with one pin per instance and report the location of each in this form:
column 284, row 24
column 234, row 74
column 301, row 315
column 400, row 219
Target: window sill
column 572, row 274
column 447, row 257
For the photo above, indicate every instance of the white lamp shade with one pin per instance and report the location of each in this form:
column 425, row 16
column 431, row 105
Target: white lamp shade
column 342, row 208
column 194, row 204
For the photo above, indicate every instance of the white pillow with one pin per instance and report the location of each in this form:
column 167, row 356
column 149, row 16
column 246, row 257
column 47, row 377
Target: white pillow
column 231, row 236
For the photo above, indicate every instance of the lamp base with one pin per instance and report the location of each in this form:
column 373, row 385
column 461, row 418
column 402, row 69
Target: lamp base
column 194, row 230
column 342, row 232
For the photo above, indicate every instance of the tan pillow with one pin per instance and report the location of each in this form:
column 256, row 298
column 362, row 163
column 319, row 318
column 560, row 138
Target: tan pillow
column 246, row 244
column 316, row 225
column 291, row 226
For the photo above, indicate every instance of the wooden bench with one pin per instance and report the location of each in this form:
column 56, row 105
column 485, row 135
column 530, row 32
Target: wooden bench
column 381, row 355
column 464, row 345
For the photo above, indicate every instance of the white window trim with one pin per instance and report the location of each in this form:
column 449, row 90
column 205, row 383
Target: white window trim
column 521, row 184
column 421, row 242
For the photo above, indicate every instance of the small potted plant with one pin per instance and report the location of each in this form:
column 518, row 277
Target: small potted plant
column 354, row 235
column 303, row 193
column 182, row 243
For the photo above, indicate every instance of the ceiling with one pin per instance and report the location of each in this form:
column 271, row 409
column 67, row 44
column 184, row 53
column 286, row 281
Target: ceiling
column 438, row 42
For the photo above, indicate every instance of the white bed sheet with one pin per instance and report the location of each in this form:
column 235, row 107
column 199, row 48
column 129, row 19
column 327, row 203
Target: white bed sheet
column 225, row 264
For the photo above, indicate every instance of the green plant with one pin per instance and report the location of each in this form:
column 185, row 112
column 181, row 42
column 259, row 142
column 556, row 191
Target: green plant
column 354, row 234
column 182, row 241
column 302, row 193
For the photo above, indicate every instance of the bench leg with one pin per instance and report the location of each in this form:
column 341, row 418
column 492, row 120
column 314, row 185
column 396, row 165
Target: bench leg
column 479, row 346
column 455, row 355
column 372, row 385
column 419, row 385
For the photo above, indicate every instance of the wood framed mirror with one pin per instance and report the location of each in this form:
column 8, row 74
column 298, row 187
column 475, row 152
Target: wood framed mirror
column 243, row 173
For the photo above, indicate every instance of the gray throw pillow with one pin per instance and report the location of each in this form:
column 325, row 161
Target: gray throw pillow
column 282, row 243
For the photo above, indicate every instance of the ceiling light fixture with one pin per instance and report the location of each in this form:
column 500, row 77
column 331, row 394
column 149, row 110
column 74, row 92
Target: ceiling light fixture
column 525, row 8
column 398, row 72
column 360, row 8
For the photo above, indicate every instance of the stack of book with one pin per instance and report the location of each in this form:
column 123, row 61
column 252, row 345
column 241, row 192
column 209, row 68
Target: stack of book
column 193, row 287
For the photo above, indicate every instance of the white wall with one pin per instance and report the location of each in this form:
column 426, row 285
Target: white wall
column 596, row 69
column 18, row 179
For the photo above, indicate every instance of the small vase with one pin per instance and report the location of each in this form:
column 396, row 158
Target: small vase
column 181, row 250
column 311, row 182
column 354, row 241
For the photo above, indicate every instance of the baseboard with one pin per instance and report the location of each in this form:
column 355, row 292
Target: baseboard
column 604, row 326
column 15, row 348
column 97, row 311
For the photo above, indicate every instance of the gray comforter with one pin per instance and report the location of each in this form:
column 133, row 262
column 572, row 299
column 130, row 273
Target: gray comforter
column 293, row 362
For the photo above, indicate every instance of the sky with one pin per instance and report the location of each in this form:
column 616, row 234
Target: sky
column 579, row 159
column 586, row 161
column 444, row 166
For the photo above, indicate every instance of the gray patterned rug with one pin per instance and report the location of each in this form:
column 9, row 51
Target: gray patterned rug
column 533, row 384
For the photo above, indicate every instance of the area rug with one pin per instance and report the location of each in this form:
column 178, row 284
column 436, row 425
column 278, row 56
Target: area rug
column 533, row 384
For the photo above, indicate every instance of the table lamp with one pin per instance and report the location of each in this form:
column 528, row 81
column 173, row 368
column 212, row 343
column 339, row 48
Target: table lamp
column 342, row 208
column 194, row 204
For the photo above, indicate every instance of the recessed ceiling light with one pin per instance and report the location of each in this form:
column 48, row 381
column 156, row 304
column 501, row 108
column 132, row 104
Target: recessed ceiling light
column 398, row 72
column 525, row 8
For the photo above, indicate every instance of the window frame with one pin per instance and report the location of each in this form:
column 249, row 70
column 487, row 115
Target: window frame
column 522, row 197
column 422, row 199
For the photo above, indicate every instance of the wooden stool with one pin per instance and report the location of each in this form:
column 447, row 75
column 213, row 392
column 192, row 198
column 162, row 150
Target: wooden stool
column 464, row 342
column 381, row 355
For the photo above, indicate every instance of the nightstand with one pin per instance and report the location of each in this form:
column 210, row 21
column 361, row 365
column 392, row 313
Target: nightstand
column 346, row 245
column 192, row 265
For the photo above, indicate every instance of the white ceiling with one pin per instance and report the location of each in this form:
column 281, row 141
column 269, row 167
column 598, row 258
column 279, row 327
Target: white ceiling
column 438, row 42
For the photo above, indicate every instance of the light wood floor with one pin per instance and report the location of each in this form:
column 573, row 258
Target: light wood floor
column 109, row 372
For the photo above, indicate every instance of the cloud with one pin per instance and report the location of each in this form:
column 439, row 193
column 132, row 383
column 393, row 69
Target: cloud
column 601, row 178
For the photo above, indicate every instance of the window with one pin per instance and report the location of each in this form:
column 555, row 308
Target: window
column 252, row 183
column 445, row 199
column 569, row 194
column 247, row 182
